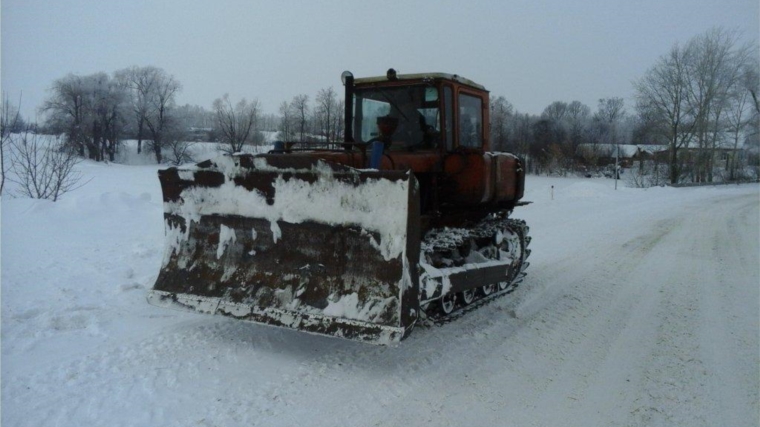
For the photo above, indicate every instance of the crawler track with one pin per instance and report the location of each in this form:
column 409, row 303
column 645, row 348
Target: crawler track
column 445, row 243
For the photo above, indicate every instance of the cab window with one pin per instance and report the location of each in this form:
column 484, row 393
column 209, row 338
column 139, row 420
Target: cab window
column 470, row 121
column 448, row 106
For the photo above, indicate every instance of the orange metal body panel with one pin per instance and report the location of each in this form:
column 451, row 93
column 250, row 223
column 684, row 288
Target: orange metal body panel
column 507, row 171
column 467, row 178
column 464, row 175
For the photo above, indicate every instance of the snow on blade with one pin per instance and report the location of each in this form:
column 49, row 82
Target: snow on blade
column 378, row 205
column 226, row 236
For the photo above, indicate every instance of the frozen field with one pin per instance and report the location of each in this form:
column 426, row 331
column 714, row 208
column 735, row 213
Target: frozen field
column 640, row 308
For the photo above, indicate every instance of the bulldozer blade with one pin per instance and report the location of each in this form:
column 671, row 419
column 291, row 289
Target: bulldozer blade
column 292, row 241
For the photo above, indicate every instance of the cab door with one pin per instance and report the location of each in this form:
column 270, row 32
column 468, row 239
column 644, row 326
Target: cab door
column 466, row 165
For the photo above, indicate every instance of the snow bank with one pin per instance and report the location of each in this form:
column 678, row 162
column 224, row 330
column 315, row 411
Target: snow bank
column 640, row 308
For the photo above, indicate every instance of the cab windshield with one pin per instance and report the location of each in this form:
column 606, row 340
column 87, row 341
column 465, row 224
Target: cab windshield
column 415, row 108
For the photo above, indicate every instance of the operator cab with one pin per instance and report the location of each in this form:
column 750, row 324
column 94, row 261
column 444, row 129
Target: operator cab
column 419, row 112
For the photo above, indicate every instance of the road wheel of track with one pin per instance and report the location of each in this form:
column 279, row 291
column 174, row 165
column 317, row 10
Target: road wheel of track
column 466, row 297
column 488, row 289
column 446, row 303
column 503, row 285
column 515, row 244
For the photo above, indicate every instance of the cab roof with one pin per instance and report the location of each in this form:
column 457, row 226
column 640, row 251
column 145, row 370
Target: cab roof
column 420, row 76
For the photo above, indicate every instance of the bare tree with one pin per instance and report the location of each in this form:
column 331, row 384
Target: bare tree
column 109, row 105
column 89, row 111
column 327, row 107
column 339, row 120
column 43, row 170
column 521, row 129
column 237, row 124
column 67, row 110
column 611, row 112
column 737, row 120
column 287, row 121
column 743, row 112
column 661, row 96
column 501, row 114
column 541, row 141
column 690, row 92
column 555, row 115
column 141, row 83
column 714, row 68
column 300, row 106
column 577, row 118
column 160, row 120
column 179, row 149
column 10, row 118
column 555, row 112
column 751, row 82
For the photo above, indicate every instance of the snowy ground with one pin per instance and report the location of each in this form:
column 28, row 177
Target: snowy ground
column 640, row 308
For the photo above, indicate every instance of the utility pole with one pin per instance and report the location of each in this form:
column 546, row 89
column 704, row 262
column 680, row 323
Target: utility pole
column 617, row 154
column 610, row 111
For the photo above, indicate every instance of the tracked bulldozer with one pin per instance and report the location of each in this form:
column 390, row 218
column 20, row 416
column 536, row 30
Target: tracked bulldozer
column 407, row 219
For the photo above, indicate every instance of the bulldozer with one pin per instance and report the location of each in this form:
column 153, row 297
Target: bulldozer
column 404, row 220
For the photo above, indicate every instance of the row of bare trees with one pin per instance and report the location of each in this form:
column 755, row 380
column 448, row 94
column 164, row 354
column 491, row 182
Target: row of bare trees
column 323, row 121
column 551, row 140
column 93, row 111
column 699, row 97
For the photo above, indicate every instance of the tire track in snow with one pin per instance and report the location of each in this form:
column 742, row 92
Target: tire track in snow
column 615, row 354
column 579, row 339
column 503, row 338
column 177, row 365
column 683, row 379
column 724, row 328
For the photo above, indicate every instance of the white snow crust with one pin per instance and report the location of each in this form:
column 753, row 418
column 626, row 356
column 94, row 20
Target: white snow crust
column 378, row 205
column 640, row 308
column 226, row 236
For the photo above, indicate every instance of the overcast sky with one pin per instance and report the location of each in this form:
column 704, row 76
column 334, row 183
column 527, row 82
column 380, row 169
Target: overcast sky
column 531, row 52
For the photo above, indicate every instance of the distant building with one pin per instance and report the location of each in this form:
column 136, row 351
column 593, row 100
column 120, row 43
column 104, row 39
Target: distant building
column 722, row 155
column 605, row 154
column 199, row 134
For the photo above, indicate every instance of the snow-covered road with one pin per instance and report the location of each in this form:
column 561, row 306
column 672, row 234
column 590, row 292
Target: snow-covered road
column 640, row 308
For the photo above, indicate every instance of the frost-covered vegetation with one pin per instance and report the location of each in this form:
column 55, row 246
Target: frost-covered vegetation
column 696, row 119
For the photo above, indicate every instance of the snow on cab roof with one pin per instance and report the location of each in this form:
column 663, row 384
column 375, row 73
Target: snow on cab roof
column 419, row 76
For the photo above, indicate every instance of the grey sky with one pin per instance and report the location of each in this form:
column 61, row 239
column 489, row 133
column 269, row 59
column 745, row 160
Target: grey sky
column 531, row 52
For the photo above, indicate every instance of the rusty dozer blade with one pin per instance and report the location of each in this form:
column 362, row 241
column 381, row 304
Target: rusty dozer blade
column 295, row 242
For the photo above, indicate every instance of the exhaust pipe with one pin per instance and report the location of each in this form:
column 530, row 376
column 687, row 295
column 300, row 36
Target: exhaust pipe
column 348, row 133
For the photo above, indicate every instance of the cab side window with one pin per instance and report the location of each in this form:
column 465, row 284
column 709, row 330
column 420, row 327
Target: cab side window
column 470, row 121
column 448, row 117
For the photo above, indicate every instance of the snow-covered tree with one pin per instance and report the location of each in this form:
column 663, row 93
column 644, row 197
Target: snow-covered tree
column 501, row 115
column 688, row 94
column 325, row 112
column 43, row 169
column 10, row 119
column 160, row 118
column 300, row 107
column 141, row 83
column 89, row 110
column 236, row 125
column 287, row 122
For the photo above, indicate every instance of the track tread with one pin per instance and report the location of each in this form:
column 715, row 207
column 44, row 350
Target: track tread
column 433, row 317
